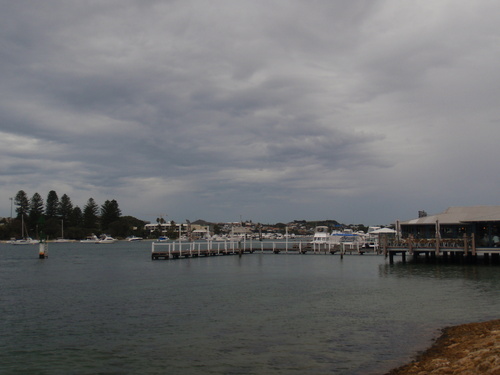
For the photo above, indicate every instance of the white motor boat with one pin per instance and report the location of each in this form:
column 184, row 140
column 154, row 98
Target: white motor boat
column 346, row 238
column 322, row 235
column 134, row 238
column 90, row 239
column 63, row 240
column 107, row 239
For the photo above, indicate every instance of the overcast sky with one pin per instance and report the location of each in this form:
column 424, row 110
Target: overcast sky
column 362, row 111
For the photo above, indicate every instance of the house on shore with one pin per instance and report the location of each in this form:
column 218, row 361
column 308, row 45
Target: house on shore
column 480, row 222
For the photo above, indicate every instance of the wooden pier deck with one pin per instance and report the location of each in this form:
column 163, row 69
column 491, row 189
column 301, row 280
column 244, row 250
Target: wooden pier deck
column 176, row 250
column 449, row 251
column 444, row 250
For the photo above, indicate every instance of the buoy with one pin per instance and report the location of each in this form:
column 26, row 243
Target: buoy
column 42, row 250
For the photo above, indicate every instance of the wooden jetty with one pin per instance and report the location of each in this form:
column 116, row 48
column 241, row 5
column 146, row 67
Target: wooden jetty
column 179, row 249
column 453, row 250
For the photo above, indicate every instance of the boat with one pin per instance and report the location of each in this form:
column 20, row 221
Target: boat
column 24, row 241
column 134, row 238
column 346, row 238
column 350, row 239
column 322, row 235
column 372, row 238
column 163, row 239
column 90, row 239
column 62, row 239
column 107, row 239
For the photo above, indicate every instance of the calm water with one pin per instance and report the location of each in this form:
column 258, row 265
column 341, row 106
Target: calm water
column 109, row 309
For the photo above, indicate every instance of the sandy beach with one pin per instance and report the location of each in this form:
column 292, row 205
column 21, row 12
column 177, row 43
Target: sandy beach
column 465, row 349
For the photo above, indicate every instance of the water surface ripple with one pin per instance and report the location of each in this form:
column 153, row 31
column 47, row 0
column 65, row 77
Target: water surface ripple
column 110, row 309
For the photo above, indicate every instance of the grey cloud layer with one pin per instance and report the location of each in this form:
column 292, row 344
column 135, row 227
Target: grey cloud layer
column 199, row 104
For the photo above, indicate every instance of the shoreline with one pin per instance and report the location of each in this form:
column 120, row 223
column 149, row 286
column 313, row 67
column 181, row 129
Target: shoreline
column 472, row 348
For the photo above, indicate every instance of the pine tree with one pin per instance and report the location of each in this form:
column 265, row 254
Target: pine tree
column 76, row 218
column 110, row 212
column 22, row 202
column 65, row 208
column 52, row 205
column 36, row 211
column 90, row 212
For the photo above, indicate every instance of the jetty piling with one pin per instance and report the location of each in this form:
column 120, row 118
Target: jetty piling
column 433, row 250
column 178, row 249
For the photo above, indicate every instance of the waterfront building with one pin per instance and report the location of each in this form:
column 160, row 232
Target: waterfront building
column 480, row 222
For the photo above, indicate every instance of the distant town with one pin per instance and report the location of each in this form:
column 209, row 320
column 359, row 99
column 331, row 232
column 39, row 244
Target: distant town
column 56, row 218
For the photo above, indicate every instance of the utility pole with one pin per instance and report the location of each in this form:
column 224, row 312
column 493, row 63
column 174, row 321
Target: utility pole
column 11, row 200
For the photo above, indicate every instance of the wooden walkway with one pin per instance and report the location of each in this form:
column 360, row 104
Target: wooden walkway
column 176, row 250
column 444, row 250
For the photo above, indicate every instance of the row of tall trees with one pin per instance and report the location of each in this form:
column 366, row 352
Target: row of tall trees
column 57, row 217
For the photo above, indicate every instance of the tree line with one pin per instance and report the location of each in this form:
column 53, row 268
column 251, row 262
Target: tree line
column 57, row 217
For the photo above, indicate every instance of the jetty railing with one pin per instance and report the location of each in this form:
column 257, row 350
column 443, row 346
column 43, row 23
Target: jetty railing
column 465, row 244
column 177, row 249
column 460, row 249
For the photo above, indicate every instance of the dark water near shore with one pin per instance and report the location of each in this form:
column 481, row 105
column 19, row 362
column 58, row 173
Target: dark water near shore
column 109, row 309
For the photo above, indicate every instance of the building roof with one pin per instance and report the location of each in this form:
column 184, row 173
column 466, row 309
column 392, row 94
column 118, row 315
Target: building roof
column 241, row 230
column 457, row 215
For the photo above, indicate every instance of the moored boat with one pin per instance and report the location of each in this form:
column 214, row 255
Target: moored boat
column 63, row 240
column 24, row 241
column 90, row 239
column 107, row 239
column 321, row 235
column 134, row 238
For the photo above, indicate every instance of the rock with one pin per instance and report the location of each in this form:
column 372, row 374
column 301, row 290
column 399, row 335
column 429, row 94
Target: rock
column 465, row 349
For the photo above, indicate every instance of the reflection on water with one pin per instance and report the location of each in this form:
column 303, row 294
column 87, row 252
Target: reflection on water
column 110, row 309
column 443, row 270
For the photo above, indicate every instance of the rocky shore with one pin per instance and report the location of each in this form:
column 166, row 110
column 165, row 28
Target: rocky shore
column 468, row 349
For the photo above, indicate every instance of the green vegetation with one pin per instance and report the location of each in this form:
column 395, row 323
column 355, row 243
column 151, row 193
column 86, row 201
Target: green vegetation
column 59, row 217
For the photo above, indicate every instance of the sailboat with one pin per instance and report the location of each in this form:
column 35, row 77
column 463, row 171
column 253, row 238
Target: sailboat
column 62, row 239
column 25, row 240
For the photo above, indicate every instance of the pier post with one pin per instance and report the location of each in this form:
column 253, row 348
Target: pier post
column 437, row 237
column 473, row 240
